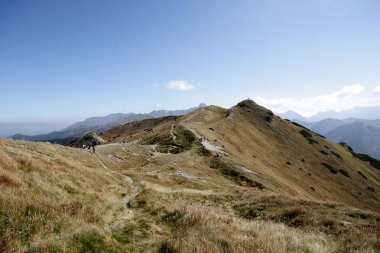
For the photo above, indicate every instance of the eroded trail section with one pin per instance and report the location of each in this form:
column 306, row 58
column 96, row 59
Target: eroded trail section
column 135, row 189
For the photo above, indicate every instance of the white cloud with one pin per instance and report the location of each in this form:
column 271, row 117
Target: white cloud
column 345, row 98
column 377, row 90
column 179, row 85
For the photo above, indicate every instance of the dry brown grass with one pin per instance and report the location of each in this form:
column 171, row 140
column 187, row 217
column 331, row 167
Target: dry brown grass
column 49, row 192
column 8, row 181
column 266, row 148
column 199, row 228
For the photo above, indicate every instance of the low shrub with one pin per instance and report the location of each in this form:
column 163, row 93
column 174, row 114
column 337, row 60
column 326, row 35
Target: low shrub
column 200, row 149
column 131, row 231
column 312, row 141
column 370, row 188
column 344, row 173
column 305, row 133
column 346, row 146
column 89, row 241
column 330, row 168
column 336, row 154
column 289, row 214
column 233, row 175
column 165, row 247
column 374, row 162
column 324, row 152
column 362, row 175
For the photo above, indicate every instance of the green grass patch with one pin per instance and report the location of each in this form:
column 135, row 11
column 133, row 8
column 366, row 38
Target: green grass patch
column 89, row 242
column 185, row 138
column 131, row 232
column 200, row 149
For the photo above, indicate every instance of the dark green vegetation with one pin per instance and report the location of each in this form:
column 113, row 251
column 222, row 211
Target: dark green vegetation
column 362, row 175
column 232, row 174
column 364, row 157
column 90, row 242
column 374, row 162
column 305, row 133
column 184, row 140
column 337, row 155
column 312, row 141
column 308, row 136
column 165, row 247
column 330, row 168
column 130, row 232
column 343, row 172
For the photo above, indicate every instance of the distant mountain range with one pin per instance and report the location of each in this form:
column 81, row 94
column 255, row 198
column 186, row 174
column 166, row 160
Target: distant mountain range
column 362, row 135
column 369, row 113
column 359, row 127
column 99, row 124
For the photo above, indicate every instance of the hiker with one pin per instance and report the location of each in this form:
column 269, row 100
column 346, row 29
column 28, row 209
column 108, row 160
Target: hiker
column 93, row 146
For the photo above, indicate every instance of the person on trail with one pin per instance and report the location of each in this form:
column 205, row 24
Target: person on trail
column 93, row 146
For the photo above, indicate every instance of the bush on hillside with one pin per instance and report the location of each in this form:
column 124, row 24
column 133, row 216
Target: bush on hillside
column 305, row 133
column 337, row 155
column 374, row 162
column 344, row 173
column 312, row 141
column 233, row 175
column 362, row 175
column 330, row 168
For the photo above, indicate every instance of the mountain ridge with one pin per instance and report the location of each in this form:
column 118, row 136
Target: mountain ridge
column 217, row 179
column 98, row 124
column 369, row 112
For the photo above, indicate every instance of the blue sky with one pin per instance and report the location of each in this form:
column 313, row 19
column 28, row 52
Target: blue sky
column 63, row 61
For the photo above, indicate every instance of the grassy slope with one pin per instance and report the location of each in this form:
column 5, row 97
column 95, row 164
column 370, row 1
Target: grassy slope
column 279, row 153
column 52, row 195
column 133, row 130
column 190, row 201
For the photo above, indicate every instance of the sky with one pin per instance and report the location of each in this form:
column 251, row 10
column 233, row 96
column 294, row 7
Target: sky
column 62, row 61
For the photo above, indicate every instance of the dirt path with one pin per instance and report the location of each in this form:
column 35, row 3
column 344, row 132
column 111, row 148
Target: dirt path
column 172, row 133
column 135, row 189
column 206, row 143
